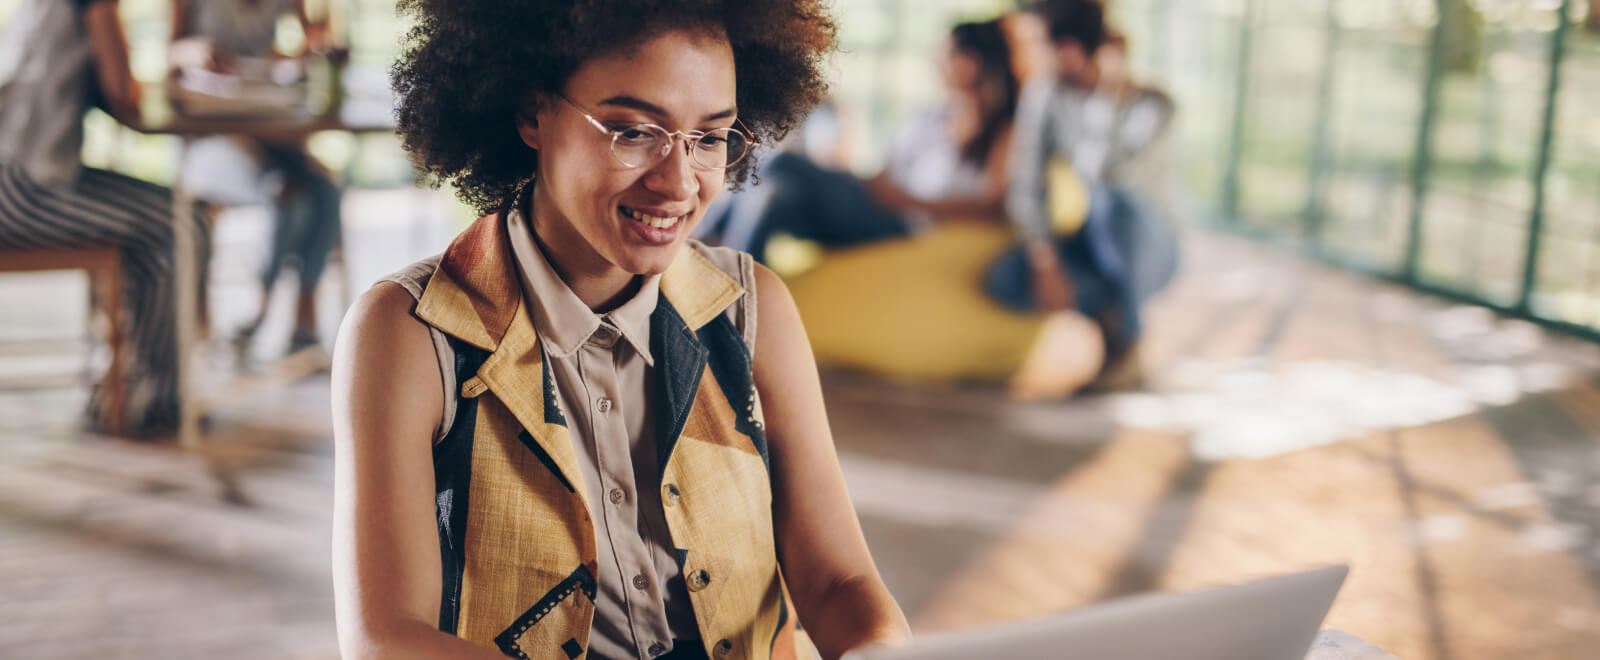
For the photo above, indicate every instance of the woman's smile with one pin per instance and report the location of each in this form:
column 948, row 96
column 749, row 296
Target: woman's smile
column 656, row 226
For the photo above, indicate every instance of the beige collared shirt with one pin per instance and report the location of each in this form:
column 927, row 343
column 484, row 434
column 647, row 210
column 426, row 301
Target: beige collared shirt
column 603, row 369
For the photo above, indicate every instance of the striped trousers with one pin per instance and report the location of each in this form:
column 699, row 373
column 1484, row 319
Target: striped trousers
column 105, row 209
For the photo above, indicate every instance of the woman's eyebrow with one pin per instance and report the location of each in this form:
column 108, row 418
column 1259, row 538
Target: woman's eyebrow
column 647, row 107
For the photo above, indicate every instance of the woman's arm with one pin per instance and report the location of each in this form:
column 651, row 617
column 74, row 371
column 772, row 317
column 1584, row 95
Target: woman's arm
column 179, row 20
column 109, row 47
column 316, row 30
column 838, row 594
column 387, row 402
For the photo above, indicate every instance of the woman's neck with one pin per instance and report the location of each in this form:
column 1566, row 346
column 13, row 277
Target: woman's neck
column 599, row 284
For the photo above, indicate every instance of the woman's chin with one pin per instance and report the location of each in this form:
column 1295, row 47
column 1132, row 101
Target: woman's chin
column 648, row 260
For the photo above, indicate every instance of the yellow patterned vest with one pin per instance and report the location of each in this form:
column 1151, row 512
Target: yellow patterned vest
column 515, row 535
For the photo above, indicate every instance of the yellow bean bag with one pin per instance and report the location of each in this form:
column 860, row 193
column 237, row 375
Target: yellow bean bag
column 914, row 309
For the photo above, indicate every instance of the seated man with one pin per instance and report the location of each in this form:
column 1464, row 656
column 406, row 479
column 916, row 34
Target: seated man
column 1116, row 137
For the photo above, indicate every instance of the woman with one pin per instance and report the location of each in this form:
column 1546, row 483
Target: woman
column 212, row 36
column 57, row 61
column 623, row 463
column 948, row 163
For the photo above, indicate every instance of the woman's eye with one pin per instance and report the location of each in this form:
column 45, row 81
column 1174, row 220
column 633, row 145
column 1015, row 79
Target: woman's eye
column 713, row 142
column 633, row 134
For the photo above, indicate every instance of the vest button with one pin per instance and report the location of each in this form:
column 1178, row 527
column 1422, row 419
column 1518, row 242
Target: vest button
column 699, row 579
column 617, row 495
column 722, row 649
column 656, row 649
column 604, row 404
column 641, row 582
column 669, row 495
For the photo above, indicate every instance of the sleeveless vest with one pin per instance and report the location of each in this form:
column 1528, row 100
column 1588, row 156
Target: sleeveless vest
column 516, row 539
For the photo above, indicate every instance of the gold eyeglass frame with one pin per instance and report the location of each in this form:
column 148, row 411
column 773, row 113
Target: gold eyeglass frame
column 690, row 138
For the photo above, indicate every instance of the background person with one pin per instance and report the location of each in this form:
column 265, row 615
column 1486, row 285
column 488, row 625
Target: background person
column 213, row 36
column 949, row 162
column 1115, row 135
column 58, row 60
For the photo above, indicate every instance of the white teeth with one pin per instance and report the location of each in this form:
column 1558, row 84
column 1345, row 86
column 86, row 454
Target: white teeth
column 653, row 221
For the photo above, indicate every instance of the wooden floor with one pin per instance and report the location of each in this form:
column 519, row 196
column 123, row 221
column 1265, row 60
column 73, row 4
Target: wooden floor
column 1296, row 416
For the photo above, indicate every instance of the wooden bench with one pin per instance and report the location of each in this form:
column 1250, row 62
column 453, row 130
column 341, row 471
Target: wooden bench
column 104, row 266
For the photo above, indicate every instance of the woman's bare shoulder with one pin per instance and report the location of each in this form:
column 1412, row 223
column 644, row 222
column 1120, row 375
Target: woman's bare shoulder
column 385, row 316
column 384, row 358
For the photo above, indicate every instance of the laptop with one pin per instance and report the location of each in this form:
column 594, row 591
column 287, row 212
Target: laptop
column 1276, row 618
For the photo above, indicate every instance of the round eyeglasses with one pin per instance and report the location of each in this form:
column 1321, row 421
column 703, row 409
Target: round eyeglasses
column 645, row 145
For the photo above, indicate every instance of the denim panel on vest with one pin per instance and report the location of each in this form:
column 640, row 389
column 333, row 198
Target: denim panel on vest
column 681, row 360
column 452, row 472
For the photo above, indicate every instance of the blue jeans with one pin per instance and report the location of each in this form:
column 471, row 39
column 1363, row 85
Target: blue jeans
column 805, row 200
column 307, row 216
column 1118, row 260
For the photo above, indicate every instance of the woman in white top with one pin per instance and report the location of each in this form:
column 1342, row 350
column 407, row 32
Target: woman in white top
column 948, row 162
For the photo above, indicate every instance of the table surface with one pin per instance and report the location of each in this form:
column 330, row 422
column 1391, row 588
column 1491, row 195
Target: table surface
column 360, row 114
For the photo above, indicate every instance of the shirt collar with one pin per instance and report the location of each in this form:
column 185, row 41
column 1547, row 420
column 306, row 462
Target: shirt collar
column 563, row 321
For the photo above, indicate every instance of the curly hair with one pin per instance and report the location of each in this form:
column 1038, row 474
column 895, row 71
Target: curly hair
column 467, row 66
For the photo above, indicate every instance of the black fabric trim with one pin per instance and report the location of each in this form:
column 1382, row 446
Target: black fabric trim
column 572, row 648
column 680, row 361
column 509, row 639
column 552, row 405
column 783, row 618
column 734, row 370
column 686, row 649
column 452, row 478
column 544, row 457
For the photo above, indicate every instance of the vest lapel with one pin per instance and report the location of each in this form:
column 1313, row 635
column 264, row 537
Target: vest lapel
column 693, row 292
column 476, row 296
column 680, row 362
column 520, row 379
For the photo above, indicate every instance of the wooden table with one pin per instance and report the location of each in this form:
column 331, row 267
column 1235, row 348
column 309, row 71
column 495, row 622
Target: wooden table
column 158, row 116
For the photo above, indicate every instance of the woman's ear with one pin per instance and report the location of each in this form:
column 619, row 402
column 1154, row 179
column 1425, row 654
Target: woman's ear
column 528, row 118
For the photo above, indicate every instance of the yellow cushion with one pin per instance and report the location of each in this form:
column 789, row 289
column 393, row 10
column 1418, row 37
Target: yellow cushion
column 915, row 309
column 1068, row 198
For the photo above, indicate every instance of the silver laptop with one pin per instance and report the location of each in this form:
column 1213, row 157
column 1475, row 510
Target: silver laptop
column 1272, row 619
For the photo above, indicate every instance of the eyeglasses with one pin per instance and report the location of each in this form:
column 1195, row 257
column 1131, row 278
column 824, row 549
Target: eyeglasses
column 644, row 145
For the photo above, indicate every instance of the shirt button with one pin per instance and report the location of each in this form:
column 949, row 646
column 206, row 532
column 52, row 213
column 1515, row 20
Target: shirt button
column 617, row 495
column 657, row 649
column 669, row 495
column 722, row 649
column 604, row 336
column 699, row 579
column 641, row 582
column 604, row 404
